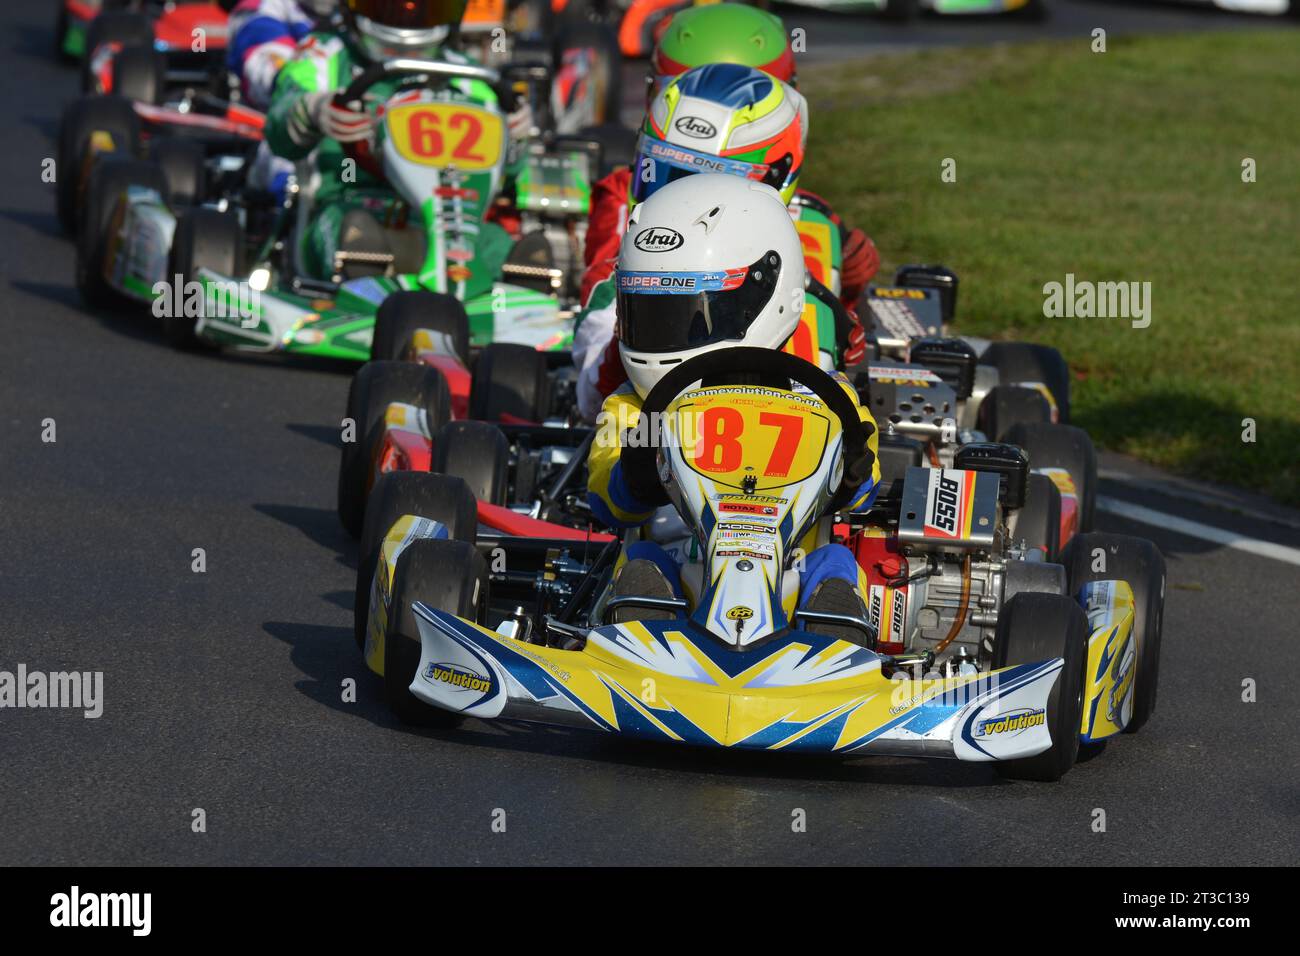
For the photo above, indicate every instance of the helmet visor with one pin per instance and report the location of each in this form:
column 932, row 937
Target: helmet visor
column 676, row 311
column 410, row 14
column 659, row 163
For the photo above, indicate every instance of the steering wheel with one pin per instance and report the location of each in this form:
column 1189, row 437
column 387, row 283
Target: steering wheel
column 436, row 73
column 745, row 360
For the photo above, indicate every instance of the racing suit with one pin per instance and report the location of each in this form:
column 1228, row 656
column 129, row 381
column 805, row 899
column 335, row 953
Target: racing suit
column 326, row 63
column 615, row 500
column 263, row 36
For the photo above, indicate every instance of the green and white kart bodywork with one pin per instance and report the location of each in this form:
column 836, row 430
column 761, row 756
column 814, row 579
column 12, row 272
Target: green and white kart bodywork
column 272, row 308
column 901, row 8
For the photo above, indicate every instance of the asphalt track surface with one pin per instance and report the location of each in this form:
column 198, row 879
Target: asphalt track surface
column 223, row 690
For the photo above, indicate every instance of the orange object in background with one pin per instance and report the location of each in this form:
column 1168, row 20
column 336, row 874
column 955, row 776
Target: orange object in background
column 644, row 21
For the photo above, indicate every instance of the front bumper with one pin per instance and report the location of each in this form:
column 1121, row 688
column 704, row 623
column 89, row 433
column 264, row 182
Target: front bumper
column 801, row 692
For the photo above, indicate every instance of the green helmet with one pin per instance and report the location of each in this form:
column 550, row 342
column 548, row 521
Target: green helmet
column 722, row 33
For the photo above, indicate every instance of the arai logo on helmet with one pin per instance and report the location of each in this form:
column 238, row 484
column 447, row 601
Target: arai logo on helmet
column 695, row 127
column 658, row 239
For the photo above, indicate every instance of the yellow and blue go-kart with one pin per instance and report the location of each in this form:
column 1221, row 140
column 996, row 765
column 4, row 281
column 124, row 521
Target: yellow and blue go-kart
column 993, row 654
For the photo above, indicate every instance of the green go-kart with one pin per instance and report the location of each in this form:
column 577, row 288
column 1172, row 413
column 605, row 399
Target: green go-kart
column 442, row 148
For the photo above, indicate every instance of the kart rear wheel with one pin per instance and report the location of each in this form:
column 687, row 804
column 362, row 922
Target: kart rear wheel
column 204, row 239
column 89, row 115
column 479, row 453
column 510, row 383
column 108, row 182
column 1062, row 446
column 122, row 27
column 140, row 74
column 443, row 498
column 182, row 163
column 1036, row 627
column 1140, row 563
column 1038, row 522
column 374, row 386
column 447, row 575
column 1020, row 362
column 1006, row 406
column 403, row 312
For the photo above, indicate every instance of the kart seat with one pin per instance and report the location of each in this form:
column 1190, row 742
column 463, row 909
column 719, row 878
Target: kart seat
column 368, row 248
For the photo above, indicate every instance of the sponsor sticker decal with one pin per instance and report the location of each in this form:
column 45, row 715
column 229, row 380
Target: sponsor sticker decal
column 657, row 239
column 456, row 677
column 695, row 127
column 1012, row 724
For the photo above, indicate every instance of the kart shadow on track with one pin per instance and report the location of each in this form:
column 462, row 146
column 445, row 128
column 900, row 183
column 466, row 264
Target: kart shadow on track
column 320, row 525
column 325, row 434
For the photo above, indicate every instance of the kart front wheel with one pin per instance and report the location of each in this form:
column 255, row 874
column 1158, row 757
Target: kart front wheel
column 511, row 383
column 204, row 239
column 479, row 453
column 1035, row 627
column 119, row 127
column 442, row 498
column 401, row 313
column 374, row 387
column 109, row 181
column 1102, row 556
column 447, row 575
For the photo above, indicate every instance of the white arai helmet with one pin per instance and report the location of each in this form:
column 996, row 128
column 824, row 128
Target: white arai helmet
column 707, row 262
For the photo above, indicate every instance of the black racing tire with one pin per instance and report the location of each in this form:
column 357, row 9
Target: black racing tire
column 374, row 386
column 108, row 182
column 183, row 164
column 510, row 381
column 1062, row 446
column 1019, row 362
column 113, row 115
column 899, row 11
column 1006, row 406
column 617, row 145
column 443, row 498
column 1140, row 563
column 479, row 453
column 447, row 575
column 204, row 239
column 1038, row 522
column 140, row 74
column 128, row 29
column 401, row 313
column 576, row 32
column 61, row 26
column 1035, row 627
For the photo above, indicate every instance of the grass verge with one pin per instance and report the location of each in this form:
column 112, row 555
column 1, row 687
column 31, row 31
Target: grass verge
column 1118, row 166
